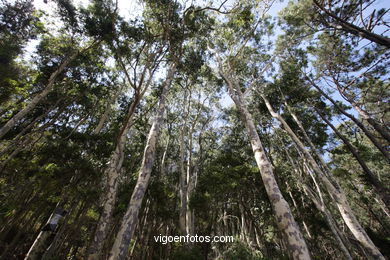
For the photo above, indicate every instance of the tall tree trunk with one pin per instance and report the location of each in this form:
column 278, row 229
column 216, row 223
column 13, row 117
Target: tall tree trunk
column 60, row 235
column 37, row 98
column 182, row 185
column 380, row 189
column 164, row 157
column 112, row 175
column 130, row 219
column 355, row 120
column 306, row 136
column 330, row 221
column 190, row 187
column 284, row 218
column 364, row 114
column 334, row 190
column 318, row 200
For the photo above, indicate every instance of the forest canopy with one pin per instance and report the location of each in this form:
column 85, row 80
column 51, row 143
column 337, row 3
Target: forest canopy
column 123, row 123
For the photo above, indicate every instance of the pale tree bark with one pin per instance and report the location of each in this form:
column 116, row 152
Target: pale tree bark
column 39, row 245
column 182, row 185
column 320, row 205
column 376, row 183
column 61, row 234
column 183, row 178
column 191, row 180
column 354, row 119
column 296, row 207
column 329, row 220
column 112, row 175
column 164, row 157
column 306, row 136
column 116, row 159
column 37, row 98
column 188, row 174
column 130, row 219
column 380, row 189
column 334, row 190
column 284, row 218
column 190, row 187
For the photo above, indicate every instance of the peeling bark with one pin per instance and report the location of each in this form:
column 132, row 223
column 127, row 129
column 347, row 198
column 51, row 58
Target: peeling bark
column 112, row 173
column 284, row 218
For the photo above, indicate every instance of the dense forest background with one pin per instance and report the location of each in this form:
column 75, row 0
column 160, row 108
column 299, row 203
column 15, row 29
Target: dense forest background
column 263, row 120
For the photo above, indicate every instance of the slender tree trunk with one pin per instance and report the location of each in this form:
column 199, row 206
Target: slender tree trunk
column 335, row 191
column 296, row 207
column 112, row 174
column 163, row 159
column 190, row 187
column 33, row 103
column 130, row 219
column 380, row 189
column 183, row 186
column 345, row 246
column 355, row 120
column 284, row 218
column 59, row 236
column 381, row 130
column 306, row 136
column 183, row 178
column 329, row 220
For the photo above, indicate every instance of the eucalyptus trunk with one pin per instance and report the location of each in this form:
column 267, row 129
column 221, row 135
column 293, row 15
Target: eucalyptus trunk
column 380, row 189
column 383, row 131
column 284, row 218
column 190, row 187
column 369, row 135
column 334, row 190
column 130, row 219
column 182, row 186
column 330, row 221
column 112, row 175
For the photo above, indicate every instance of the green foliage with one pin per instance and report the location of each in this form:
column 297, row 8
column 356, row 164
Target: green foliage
column 19, row 23
column 53, row 155
column 240, row 251
column 186, row 253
